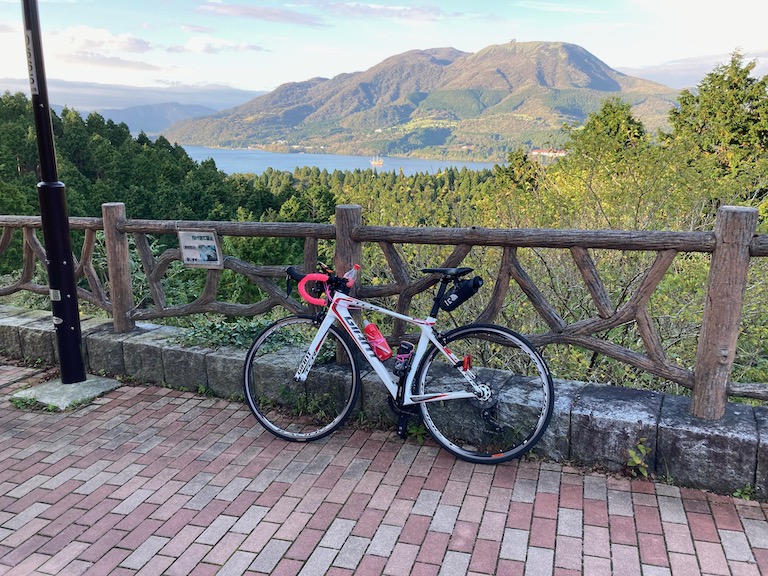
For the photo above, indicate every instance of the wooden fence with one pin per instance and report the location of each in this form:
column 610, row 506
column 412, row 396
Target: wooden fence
column 732, row 244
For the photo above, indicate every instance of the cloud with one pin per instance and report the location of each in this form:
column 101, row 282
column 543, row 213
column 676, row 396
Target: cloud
column 554, row 7
column 210, row 45
column 197, row 29
column 87, row 39
column 424, row 13
column 266, row 13
column 693, row 30
column 96, row 59
column 688, row 72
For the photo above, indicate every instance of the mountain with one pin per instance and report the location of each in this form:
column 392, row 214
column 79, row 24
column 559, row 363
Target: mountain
column 689, row 72
column 152, row 119
column 147, row 109
column 89, row 96
column 440, row 102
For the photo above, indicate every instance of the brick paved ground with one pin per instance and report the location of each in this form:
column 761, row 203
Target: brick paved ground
column 149, row 480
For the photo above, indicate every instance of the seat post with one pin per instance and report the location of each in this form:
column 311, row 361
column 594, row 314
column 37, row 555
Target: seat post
column 444, row 281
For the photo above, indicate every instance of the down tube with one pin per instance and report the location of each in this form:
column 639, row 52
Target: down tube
column 357, row 335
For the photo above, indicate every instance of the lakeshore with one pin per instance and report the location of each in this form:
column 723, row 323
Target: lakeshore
column 253, row 161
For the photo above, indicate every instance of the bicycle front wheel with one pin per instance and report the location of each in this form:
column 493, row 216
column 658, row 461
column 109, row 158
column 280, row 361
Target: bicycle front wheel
column 517, row 397
column 300, row 411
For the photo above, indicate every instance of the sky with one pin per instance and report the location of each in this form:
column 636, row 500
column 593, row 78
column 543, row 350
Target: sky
column 260, row 44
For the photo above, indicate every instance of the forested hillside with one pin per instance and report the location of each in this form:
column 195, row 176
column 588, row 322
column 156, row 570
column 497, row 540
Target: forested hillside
column 617, row 175
column 152, row 119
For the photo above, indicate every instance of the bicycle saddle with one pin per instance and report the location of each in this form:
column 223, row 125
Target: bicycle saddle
column 453, row 272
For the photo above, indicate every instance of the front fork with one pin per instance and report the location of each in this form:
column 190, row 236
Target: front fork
column 314, row 348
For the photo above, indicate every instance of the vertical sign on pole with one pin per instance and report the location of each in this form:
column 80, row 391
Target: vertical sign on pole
column 53, row 211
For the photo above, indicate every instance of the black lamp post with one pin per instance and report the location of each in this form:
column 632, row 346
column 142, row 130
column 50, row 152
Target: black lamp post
column 53, row 212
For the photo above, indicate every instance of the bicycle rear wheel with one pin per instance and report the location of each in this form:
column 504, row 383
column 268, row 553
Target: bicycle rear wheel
column 300, row 411
column 518, row 388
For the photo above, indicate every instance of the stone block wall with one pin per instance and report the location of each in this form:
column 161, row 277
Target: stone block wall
column 593, row 425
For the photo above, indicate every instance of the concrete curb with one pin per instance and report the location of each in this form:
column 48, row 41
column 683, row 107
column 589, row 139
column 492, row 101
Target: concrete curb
column 593, row 425
column 66, row 396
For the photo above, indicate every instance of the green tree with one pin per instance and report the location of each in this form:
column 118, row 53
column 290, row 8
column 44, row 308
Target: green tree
column 612, row 130
column 726, row 117
column 615, row 176
column 18, row 146
column 514, row 196
column 72, row 143
column 721, row 131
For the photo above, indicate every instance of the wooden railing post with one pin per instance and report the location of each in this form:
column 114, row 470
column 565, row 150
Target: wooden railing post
column 119, row 268
column 348, row 252
column 734, row 229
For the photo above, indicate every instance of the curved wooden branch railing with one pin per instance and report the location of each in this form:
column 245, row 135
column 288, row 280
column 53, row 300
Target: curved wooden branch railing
column 580, row 333
column 583, row 333
column 155, row 268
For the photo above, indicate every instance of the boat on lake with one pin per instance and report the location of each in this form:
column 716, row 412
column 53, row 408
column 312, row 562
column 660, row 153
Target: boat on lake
column 377, row 161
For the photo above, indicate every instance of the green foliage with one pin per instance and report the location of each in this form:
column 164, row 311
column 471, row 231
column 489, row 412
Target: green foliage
column 100, row 162
column 24, row 403
column 747, row 492
column 29, row 403
column 420, row 138
column 727, row 117
column 575, row 103
column 462, row 103
column 417, row 431
column 215, row 332
column 666, row 477
column 637, row 463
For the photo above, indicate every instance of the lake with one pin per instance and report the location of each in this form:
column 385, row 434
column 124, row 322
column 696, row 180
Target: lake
column 257, row 161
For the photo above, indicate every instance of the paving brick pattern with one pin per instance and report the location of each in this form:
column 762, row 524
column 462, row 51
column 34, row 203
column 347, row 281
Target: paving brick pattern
column 148, row 480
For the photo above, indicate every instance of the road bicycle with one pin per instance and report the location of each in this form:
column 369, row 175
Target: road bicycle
column 483, row 391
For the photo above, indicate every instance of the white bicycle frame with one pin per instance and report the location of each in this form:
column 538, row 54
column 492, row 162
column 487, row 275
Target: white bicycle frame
column 339, row 310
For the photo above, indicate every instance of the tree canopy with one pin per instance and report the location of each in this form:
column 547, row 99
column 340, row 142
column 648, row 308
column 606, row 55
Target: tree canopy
column 726, row 117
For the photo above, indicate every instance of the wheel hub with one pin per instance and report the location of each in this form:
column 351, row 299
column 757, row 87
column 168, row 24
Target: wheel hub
column 483, row 392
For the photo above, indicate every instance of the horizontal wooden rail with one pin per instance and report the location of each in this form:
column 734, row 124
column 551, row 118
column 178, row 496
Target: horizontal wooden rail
column 247, row 229
column 35, row 222
column 524, row 238
column 542, row 238
column 759, row 245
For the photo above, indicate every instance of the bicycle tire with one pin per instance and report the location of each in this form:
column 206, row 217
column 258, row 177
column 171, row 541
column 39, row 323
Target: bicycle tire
column 300, row 411
column 519, row 407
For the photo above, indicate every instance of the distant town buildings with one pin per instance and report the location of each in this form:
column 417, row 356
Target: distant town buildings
column 547, row 155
